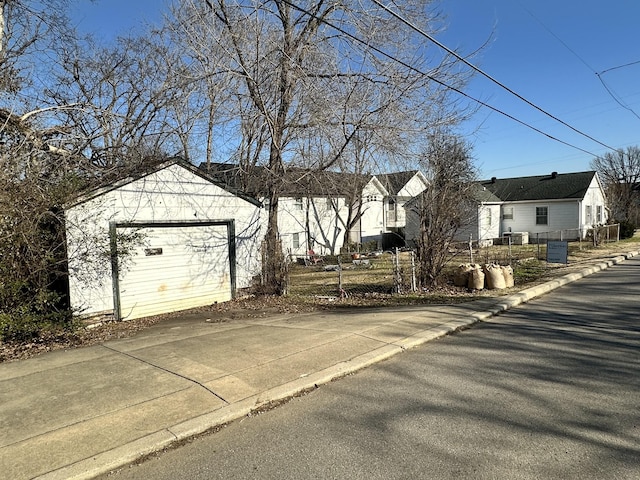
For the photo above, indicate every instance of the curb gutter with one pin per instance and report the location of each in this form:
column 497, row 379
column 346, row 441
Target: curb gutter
column 130, row 452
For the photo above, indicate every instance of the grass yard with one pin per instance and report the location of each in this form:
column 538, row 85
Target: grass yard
column 375, row 281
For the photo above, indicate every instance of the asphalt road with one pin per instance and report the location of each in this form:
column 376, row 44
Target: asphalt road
column 549, row 390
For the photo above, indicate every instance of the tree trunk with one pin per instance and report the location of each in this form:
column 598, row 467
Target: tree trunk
column 274, row 268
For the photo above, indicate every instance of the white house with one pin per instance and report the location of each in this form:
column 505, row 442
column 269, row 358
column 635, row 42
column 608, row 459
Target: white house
column 167, row 240
column 314, row 220
column 483, row 222
column 549, row 206
column 371, row 213
column 315, row 209
column 383, row 199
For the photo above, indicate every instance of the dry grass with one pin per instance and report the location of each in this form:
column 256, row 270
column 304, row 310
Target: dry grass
column 377, row 279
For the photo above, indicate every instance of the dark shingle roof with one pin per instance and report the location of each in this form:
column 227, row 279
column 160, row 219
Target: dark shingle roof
column 541, row 187
column 393, row 182
column 482, row 194
column 295, row 182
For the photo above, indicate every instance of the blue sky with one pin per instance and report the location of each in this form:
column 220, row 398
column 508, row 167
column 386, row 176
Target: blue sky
column 548, row 51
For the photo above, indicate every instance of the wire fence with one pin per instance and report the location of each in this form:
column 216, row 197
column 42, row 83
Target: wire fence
column 594, row 236
column 373, row 274
column 353, row 275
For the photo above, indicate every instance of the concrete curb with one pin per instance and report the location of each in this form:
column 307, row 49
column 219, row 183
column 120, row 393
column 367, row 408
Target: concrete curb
column 130, row 452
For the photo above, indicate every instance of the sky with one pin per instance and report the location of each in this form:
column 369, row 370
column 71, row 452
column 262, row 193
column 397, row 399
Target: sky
column 554, row 53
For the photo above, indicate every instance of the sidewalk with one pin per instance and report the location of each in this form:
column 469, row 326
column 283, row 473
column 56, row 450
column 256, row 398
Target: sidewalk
column 79, row 413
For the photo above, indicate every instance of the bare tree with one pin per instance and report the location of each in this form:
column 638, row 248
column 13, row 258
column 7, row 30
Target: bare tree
column 131, row 105
column 445, row 206
column 29, row 30
column 65, row 125
column 314, row 69
column 33, row 179
column 620, row 173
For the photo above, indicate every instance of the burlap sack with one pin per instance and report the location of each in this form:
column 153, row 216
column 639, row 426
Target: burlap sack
column 476, row 278
column 495, row 277
column 461, row 276
column 507, row 272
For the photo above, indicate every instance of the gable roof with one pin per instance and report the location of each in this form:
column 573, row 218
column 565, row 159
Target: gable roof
column 394, row 182
column 295, row 182
column 541, row 187
column 96, row 192
column 482, row 194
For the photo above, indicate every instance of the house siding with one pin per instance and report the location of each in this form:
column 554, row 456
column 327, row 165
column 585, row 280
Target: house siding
column 325, row 232
column 489, row 225
column 594, row 199
column 414, row 187
column 372, row 221
column 562, row 215
column 483, row 226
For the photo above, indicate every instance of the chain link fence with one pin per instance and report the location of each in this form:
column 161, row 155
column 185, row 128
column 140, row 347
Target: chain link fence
column 375, row 274
column 594, row 236
column 353, row 275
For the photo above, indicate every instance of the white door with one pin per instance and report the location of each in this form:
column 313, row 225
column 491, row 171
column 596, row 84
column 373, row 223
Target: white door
column 178, row 267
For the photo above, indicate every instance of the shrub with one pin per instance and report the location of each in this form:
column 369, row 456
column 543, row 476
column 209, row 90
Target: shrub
column 627, row 229
column 25, row 314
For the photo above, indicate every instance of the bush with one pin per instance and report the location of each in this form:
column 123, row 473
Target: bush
column 25, row 314
column 627, row 229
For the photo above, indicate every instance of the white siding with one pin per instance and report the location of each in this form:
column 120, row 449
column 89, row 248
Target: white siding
column 372, row 223
column 319, row 221
column 482, row 225
column 489, row 224
column 414, row 187
column 562, row 215
column 171, row 194
column 291, row 222
column 595, row 201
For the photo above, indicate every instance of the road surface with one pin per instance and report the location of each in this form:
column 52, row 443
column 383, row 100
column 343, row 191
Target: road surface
column 548, row 390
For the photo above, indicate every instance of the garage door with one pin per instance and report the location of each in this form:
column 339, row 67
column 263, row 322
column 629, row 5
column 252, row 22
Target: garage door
column 177, row 267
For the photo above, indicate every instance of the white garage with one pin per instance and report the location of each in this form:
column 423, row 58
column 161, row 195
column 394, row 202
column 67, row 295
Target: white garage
column 166, row 241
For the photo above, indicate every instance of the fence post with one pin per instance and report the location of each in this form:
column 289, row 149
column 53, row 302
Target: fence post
column 471, row 249
column 397, row 279
column 287, row 277
column 538, row 243
column 341, row 292
column 414, row 287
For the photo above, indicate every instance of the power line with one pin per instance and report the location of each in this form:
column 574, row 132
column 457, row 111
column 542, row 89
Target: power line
column 615, row 97
column 454, row 89
column 609, row 90
column 486, row 75
column 620, row 66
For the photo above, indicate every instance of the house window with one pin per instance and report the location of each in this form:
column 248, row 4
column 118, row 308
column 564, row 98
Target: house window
column 391, row 213
column 329, row 203
column 296, row 241
column 507, row 213
column 587, row 215
column 372, row 198
column 542, row 215
column 298, row 204
column 599, row 218
column 488, row 217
